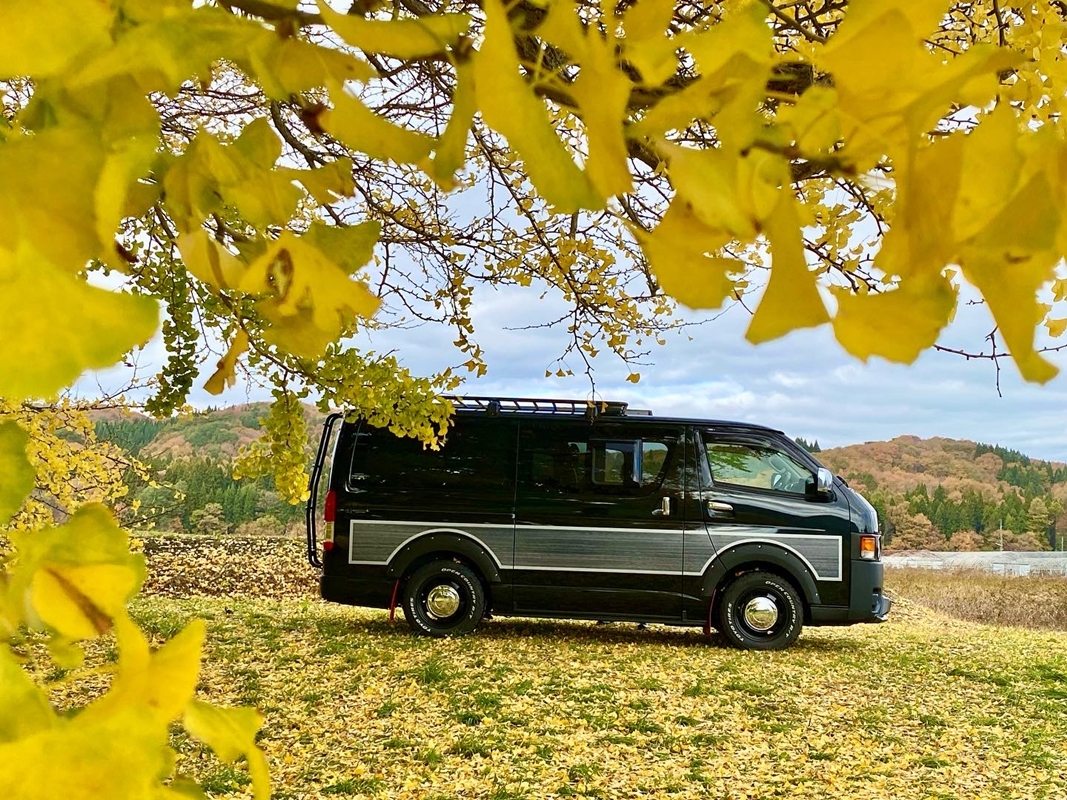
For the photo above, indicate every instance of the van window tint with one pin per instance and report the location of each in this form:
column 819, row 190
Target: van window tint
column 474, row 462
column 573, row 461
column 756, row 466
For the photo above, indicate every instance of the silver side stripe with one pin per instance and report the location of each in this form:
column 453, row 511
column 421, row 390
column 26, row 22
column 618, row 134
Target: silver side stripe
column 635, row 551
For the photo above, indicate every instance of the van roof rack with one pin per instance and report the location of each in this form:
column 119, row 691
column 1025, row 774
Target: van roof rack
column 537, row 405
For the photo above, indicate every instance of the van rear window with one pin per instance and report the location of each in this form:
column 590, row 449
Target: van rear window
column 479, row 463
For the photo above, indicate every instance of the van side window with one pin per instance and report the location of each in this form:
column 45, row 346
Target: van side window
column 472, row 463
column 573, row 461
column 756, row 466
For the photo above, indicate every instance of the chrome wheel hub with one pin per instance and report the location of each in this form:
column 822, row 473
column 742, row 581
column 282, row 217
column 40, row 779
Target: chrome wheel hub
column 761, row 613
column 442, row 601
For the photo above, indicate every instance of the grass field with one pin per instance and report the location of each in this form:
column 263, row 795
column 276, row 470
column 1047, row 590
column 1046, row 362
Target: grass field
column 919, row 708
column 925, row 706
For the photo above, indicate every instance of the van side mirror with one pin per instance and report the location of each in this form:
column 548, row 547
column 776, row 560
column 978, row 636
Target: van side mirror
column 824, row 481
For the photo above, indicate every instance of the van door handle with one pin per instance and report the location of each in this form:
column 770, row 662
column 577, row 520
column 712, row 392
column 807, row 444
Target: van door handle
column 664, row 509
column 720, row 508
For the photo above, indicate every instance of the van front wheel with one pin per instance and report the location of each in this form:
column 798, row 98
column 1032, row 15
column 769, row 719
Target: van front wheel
column 760, row 611
column 444, row 598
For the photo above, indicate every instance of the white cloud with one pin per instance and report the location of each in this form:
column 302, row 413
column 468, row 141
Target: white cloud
column 804, row 383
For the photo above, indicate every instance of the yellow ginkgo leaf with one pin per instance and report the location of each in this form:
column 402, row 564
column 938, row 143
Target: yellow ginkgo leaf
column 224, row 375
column 209, row 261
column 231, row 733
column 123, row 755
column 403, row 38
column 990, row 170
column 284, row 67
column 310, row 299
column 348, row 246
column 16, row 472
column 1059, row 289
column 791, row 300
column 708, row 181
column 45, row 352
column 1010, row 261
column 241, row 174
column 180, row 45
column 509, row 105
column 40, row 39
column 897, row 325
column 1056, row 327
column 677, row 251
column 81, row 602
column 450, row 152
column 603, row 94
column 75, row 578
column 24, row 708
column 646, row 45
column 49, row 197
column 326, row 184
column 162, row 683
column 361, row 129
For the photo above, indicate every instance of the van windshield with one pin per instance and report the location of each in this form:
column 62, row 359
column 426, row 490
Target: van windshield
column 756, row 466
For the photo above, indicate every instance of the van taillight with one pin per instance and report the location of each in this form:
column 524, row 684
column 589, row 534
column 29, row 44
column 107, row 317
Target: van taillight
column 329, row 515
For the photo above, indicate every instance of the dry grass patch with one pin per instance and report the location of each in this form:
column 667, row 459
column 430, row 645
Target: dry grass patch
column 1030, row 602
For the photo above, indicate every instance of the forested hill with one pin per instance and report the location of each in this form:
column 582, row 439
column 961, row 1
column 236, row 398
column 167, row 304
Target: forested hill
column 214, row 433
column 941, row 494
column 189, row 485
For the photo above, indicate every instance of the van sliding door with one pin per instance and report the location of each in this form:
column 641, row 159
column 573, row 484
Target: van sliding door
column 599, row 519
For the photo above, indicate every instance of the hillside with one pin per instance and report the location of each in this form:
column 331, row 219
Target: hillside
column 187, row 484
column 931, row 491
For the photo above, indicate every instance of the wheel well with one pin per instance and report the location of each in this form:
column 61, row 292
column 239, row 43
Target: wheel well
column 426, row 558
column 760, row 566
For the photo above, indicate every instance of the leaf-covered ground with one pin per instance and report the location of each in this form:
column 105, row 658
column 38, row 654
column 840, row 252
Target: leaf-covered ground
column 920, row 708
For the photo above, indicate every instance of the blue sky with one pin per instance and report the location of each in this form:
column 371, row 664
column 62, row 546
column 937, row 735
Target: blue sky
column 804, row 384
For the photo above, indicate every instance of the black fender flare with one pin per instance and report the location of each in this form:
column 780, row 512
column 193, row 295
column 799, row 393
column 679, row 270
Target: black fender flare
column 755, row 553
column 447, row 543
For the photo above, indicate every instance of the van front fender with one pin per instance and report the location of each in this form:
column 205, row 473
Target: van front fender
column 753, row 555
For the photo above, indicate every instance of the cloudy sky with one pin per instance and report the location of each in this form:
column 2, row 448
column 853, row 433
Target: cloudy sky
column 804, row 384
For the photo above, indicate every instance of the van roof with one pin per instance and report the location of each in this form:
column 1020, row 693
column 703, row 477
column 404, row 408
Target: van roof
column 530, row 406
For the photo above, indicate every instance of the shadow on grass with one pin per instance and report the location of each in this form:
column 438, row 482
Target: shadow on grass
column 590, row 633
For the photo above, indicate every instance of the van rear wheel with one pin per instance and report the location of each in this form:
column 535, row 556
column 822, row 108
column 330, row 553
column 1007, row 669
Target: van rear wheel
column 760, row 611
column 444, row 598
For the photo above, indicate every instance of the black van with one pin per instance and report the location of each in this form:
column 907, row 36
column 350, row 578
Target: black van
column 558, row 508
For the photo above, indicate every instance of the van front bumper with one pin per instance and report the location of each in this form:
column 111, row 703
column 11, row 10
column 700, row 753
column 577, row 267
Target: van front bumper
column 867, row 603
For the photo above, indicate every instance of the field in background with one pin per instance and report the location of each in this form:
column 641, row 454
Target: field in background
column 1030, row 602
column 922, row 707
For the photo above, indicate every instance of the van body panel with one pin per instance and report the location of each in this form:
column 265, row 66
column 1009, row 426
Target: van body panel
column 595, row 517
column 599, row 519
